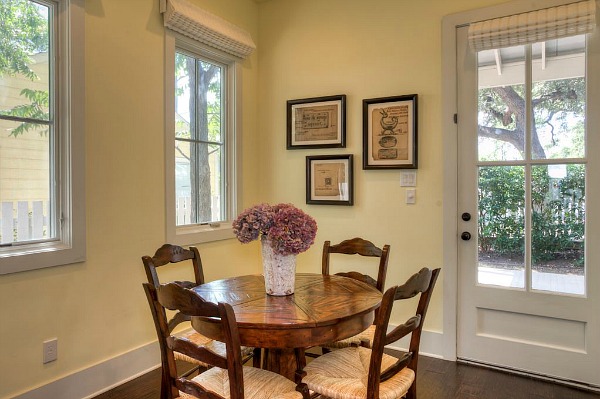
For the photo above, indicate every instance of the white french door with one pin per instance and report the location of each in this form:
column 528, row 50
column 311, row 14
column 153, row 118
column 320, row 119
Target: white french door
column 529, row 207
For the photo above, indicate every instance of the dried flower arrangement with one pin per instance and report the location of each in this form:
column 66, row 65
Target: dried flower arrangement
column 289, row 230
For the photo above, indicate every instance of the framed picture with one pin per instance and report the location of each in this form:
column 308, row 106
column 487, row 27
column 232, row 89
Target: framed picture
column 329, row 180
column 390, row 132
column 318, row 122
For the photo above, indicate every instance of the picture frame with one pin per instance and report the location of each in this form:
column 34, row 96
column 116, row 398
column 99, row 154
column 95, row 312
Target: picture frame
column 390, row 132
column 329, row 179
column 318, row 122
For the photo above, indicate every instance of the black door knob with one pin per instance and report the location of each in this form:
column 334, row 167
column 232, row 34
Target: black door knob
column 466, row 216
column 466, row 236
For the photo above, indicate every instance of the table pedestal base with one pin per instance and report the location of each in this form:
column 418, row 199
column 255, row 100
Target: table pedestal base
column 284, row 361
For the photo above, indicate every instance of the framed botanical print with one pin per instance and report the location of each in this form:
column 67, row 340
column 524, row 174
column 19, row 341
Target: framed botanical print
column 329, row 180
column 318, row 122
column 390, row 132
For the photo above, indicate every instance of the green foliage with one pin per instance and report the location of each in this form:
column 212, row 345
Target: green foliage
column 24, row 32
column 558, row 212
column 501, row 204
column 34, row 110
column 558, row 217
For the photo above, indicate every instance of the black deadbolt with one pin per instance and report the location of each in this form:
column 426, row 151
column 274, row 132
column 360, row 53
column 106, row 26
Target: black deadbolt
column 466, row 216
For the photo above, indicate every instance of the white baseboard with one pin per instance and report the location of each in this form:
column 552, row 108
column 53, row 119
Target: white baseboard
column 90, row 382
column 432, row 344
column 101, row 377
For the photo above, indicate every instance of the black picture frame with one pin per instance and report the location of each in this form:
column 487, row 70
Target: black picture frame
column 330, row 179
column 390, row 132
column 318, row 122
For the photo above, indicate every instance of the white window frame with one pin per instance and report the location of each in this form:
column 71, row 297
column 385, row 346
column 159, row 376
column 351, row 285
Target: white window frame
column 200, row 233
column 70, row 245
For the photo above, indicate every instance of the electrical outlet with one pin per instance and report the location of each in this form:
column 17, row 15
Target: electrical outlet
column 50, row 350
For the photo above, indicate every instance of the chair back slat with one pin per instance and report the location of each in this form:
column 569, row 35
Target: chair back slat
column 171, row 254
column 415, row 285
column 403, row 330
column 183, row 345
column 174, row 297
column 362, row 247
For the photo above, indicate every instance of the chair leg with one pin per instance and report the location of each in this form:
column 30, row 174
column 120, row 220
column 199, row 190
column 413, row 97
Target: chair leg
column 256, row 358
column 265, row 357
column 165, row 387
column 412, row 391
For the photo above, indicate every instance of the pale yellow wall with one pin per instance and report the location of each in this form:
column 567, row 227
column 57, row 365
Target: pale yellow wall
column 361, row 48
column 364, row 49
column 97, row 309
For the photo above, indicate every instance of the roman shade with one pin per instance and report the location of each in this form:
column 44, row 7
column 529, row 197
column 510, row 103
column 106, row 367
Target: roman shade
column 535, row 26
column 192, row 21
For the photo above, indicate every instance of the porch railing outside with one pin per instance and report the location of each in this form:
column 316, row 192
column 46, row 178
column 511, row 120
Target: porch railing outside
column 24, row 222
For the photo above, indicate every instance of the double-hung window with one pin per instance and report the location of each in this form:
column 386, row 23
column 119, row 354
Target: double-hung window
column 42, row 210
column 202, row 121
column 201, row 146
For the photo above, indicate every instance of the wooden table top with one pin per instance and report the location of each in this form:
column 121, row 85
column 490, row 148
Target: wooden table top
column 322, row 309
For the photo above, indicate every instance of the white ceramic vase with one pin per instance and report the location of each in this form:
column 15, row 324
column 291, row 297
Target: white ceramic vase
column 279, row 270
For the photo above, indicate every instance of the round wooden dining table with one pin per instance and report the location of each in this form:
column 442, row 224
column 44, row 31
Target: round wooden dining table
column 322, row 309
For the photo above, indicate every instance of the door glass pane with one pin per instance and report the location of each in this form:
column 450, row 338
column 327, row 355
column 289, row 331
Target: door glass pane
column 558, row 228
column 501, row 116
column 501, row 243
column 558, row 98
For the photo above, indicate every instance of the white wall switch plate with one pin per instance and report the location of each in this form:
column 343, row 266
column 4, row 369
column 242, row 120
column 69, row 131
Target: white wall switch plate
column 408, row 178
column 411, row 196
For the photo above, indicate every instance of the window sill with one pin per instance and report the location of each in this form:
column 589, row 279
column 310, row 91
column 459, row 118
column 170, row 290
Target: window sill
column 196, row 234
column 30, row 257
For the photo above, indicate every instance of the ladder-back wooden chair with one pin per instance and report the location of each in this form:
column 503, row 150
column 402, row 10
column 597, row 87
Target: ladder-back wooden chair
column 226, row 378
column 359, row 372
column 362, row 247
column 169, row 256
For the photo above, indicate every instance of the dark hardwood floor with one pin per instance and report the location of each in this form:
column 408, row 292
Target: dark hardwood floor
column 437, row 379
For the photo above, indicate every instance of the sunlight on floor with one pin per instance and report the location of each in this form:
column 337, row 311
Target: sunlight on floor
column 559, row 283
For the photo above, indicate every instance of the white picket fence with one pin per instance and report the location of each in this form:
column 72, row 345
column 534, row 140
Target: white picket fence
column 24, row 222
column 183, row 209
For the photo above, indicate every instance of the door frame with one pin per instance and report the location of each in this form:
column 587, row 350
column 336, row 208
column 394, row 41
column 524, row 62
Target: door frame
column 450, row 163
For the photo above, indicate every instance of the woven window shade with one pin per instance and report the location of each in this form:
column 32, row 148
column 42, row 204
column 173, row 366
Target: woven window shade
column 535, row 26
column 192, row 21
